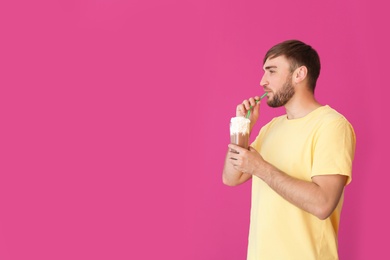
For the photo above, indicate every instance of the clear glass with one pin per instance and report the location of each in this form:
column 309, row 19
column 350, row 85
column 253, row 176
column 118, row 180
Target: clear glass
column 239, row 133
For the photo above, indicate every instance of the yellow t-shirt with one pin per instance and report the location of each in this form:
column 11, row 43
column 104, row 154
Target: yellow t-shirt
column 321, row 143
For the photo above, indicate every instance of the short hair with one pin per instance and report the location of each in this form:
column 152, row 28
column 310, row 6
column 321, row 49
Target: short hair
column 298, row 54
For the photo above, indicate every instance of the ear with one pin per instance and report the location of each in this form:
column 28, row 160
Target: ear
column 300, row 74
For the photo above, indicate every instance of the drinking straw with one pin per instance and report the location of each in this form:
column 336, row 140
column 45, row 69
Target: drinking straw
column 248, row 114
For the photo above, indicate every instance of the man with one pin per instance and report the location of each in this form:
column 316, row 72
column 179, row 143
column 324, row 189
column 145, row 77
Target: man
column 299, row 163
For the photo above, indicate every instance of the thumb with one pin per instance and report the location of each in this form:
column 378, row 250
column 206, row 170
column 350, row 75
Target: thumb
column 252, row 149
column 257, row 106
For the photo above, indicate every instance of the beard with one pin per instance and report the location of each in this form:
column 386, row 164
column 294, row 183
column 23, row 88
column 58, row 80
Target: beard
column 283, row 95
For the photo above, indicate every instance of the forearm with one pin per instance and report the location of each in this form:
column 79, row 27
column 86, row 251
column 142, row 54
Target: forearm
column 306, row 195
column 231, row 176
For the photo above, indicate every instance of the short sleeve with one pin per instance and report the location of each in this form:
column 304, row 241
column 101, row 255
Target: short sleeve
column 334, row 149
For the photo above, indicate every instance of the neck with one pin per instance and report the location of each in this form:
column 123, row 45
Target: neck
column 300, row 105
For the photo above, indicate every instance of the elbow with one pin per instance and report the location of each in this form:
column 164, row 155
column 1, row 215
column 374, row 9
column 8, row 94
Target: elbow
column 323, row 212
column 322, row 216
column 228, row 182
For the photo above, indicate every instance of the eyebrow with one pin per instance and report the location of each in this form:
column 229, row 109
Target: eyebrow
column 270, row 67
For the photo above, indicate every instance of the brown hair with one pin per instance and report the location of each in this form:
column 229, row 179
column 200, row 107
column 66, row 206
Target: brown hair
column 299, row 54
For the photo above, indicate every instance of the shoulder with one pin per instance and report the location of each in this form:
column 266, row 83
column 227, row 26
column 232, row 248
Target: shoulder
column 332, row 122
column 329, row 116
column 338, row 119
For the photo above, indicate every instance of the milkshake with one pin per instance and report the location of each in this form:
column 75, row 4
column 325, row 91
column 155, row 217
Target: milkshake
column 239, row 131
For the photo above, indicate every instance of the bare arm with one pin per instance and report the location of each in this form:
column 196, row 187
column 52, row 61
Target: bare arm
column 230, row 175
column 318, row 197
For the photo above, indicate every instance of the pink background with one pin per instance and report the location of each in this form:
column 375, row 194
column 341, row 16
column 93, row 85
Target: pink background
column 114, row 122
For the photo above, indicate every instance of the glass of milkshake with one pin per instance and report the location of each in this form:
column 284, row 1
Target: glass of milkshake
column 239, row 131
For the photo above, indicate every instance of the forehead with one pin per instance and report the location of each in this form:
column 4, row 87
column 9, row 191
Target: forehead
column 277, row 62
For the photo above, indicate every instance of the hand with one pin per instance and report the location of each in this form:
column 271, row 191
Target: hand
column 242, row 109
column 245, row 161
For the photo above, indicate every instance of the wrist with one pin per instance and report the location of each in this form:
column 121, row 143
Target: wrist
column 265, row 171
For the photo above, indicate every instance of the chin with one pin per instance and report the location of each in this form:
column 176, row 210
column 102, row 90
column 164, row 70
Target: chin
column 270, row 103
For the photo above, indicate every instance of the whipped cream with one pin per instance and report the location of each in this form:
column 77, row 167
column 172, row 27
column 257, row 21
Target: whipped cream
column 239, row 124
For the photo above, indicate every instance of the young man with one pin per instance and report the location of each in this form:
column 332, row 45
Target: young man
column 299, row 163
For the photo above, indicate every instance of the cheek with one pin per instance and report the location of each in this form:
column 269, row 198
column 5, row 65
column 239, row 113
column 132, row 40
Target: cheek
column 276, row 85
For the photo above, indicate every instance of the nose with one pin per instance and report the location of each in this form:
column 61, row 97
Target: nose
column 263, row 81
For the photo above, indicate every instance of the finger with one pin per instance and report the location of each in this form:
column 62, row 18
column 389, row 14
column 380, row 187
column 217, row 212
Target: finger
column 257, row 106
column 240, row 111
column 236, row 148
column 234, row 161
column 233, row 151
column 252, row 102
column 246, row 104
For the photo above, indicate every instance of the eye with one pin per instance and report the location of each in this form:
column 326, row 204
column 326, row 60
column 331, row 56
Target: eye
column 271, row 71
